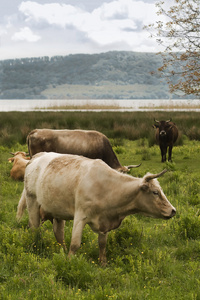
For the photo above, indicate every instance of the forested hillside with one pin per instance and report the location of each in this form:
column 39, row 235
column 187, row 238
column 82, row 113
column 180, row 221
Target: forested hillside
column 116, row 75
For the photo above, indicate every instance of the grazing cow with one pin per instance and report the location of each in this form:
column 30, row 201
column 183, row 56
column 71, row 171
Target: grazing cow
column 90, row 192
column 166, row 136
column 20, row 161
column 92, row 144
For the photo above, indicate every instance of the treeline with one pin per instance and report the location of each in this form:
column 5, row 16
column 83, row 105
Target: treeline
column 27, row 78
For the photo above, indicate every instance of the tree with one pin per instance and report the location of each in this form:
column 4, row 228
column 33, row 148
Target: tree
column 181, row 33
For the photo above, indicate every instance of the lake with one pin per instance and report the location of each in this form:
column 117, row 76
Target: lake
column 99, row 105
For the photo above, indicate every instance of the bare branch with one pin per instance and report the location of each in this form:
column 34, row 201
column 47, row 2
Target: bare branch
column 180, row 36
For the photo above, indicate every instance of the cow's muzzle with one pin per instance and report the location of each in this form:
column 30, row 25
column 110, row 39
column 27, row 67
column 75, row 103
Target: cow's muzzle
column 173, row 213
column 163, row 133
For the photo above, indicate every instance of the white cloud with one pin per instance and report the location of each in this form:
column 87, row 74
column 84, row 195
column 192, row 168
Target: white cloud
column 112, row 22
column 61, row 29
column 126, row 9
column 2, row 31
column 25, row 34
column 52, row 13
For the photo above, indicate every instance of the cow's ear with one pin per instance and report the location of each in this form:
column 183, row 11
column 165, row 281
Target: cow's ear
column 144, row 187
column 11, row 159
column 155, row 126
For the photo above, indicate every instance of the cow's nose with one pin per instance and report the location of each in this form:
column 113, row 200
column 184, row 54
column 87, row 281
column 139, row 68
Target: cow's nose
column 173, row 212
column 163, row 132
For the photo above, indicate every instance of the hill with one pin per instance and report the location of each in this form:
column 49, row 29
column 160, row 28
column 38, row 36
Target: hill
column 111, row 75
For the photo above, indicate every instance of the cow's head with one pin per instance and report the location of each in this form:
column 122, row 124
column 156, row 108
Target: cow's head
column 163, row 127
column 18, row 154
column 153, row 202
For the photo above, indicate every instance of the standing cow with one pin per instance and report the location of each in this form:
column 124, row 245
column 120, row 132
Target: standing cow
column 166, row 136
column 90, row 192
column 89, row 143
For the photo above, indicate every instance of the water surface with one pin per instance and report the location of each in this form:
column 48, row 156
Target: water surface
column 99, row 105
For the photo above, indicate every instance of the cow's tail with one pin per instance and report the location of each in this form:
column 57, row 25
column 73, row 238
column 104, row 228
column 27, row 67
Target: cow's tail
column 21, row 206
column 28, row 144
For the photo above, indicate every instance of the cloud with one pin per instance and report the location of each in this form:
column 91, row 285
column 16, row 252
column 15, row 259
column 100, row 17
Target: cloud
column 2, row 31
column 51, row 13
column 52, row 27
column 25, row 34
column 112, row 22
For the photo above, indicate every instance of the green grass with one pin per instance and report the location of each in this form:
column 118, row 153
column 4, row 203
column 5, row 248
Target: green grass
column 105, row 90
column 147, row 258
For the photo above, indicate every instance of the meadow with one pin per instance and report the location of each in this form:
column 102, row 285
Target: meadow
column 147, row 258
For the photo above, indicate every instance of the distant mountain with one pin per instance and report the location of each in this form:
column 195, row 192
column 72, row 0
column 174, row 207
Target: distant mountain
column 113, row 75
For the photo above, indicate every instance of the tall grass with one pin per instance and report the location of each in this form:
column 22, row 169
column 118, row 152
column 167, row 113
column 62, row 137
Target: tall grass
column 14, row 126
column 147, row 258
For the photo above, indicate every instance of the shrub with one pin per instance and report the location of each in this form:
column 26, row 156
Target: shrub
column 74, row 272
column 189, row 227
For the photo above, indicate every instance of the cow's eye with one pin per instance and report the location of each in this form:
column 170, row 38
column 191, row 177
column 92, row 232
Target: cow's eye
column 156, row 193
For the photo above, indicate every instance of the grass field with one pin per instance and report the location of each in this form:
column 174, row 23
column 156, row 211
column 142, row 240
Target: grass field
column 147, row 258
column 105, row 90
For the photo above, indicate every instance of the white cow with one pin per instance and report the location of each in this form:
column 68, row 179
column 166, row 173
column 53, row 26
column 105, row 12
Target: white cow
column 90, row 192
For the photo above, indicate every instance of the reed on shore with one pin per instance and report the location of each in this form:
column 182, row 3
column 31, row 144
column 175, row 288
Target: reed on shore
column 14, row 126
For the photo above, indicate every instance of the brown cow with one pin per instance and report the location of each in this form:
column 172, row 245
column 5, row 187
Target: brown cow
column 91, row 144
column 166, row 136
column 20, row 161
column 90, row 192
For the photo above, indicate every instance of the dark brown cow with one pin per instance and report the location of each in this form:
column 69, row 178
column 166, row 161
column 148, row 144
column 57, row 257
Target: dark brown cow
column 91, row 144
column 166, row 136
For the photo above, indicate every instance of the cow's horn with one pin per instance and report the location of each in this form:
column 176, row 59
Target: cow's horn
column 12, row 153
column 168, row 121
column 149, row 177
column 126, row 169
column 156, row 121
column 133, row 166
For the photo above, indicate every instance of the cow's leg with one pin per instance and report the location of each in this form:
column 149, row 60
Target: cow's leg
column 44, row 216
column 163, row 153
column 33, row 211
column 170, row 153
column 58, row 229
column 102, row 239
column 79, row 224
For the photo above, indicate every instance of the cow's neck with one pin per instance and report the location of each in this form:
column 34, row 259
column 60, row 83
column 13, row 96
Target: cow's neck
column 125, row 199
column 123, row 205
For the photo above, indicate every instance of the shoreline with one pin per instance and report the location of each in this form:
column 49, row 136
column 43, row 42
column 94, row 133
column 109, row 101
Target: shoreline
column 99, row 105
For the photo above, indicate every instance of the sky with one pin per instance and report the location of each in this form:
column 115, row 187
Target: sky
column 51, row 27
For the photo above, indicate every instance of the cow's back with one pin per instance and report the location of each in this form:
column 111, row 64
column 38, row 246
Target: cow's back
column 55, row 181
column 79, row 142
column 91, row 144
column 34, row 171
